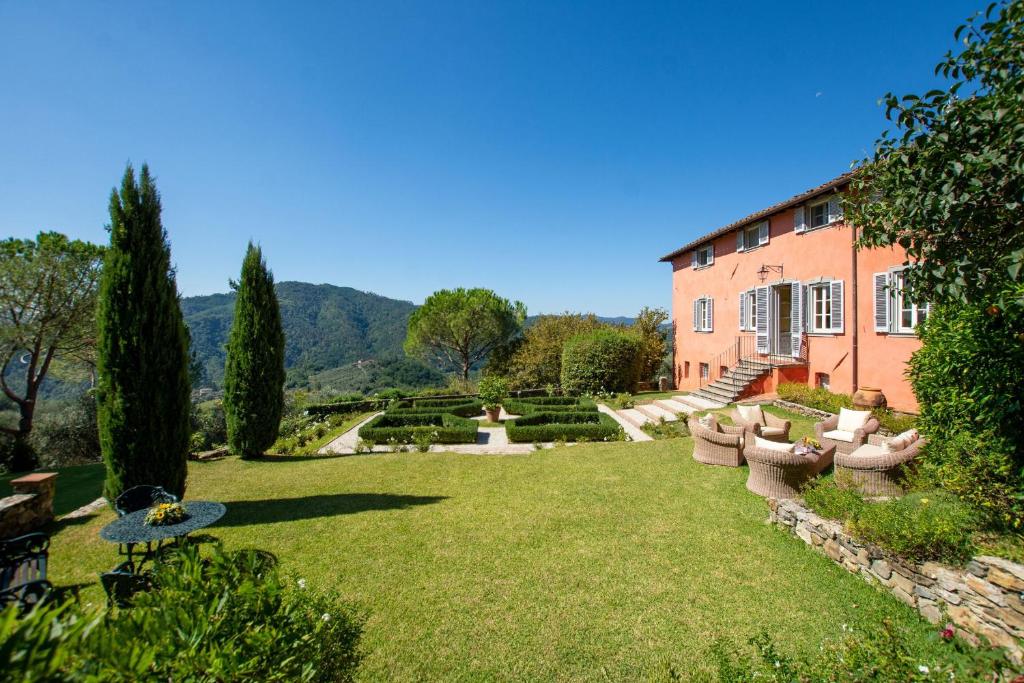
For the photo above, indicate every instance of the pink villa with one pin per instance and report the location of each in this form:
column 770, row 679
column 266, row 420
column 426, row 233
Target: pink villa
column 783, row 296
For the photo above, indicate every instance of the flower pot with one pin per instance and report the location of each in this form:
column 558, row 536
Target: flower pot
column 869, row 397
column 493, row 413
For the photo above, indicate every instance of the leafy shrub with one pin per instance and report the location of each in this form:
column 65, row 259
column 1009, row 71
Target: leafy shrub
column 209, row 426
column 66, row 433
column 814, row 397
column 865, row 652
column 493, row 390
column 829, row 500
column 895, row 423
column 920, row 526
column 549, row 404
column 404, row 428
column 967, row 378
column 618, row 401
column 677, row 429
column 601, row 360
column 460, row 406
column 568, row 426
column 228, row 617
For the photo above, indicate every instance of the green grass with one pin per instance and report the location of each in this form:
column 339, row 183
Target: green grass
column 76, row 486
column 600, row 561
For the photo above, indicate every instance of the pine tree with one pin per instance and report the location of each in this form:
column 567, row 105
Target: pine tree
column 143, row 397
column 254, row 371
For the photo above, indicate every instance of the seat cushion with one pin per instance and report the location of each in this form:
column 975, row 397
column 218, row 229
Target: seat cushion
column 852, row 420
column 839, row 435
column 752, row 414
column 867, row 450
column 773, row 431
column 773, row 445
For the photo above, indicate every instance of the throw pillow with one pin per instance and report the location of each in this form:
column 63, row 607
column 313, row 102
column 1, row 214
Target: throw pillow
column 773, row 445
column 852, row 420
column 752, row 414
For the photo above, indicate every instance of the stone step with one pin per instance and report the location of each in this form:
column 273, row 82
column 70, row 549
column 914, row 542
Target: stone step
column 634, row 417
column 697, row 402
column 656, row 412
column 725, row 394
column 707, row 401
column 677, row 407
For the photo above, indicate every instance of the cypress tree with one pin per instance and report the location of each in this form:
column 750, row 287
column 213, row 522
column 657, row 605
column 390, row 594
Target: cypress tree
column 254, row 372
column 143, row 397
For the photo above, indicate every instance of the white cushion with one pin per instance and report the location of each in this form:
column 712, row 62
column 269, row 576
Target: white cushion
column 773, row 445
column 751, row 414
column 839, row 435
column 704, row 420
column 900, row 441
column 773, row 431
column 868, row 450
column 852, row 420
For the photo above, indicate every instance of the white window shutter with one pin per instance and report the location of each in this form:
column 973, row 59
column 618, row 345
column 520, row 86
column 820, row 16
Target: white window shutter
column 743, row 311
column 709, row 323
column 796, row 323
column 881, row 281
column 761, row 307
column 835, row 210
column 693, row 259
column 836, row 292
column 799, row 219
column 762, row 233
column 808, row 308
column 696, row 315
column 711, row 253
column 739, row 240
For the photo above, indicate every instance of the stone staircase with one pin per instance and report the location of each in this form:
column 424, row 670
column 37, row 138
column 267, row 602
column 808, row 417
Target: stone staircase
column 675, row 408
column 733, row 383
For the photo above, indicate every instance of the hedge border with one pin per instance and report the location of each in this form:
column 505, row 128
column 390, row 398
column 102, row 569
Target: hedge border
column 544, row 427
column 383, row 403
column 527, row 406
column 452, row 428
column 470, row 408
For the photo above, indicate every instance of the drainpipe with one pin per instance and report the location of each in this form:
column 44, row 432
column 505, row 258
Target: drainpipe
column 856, row 327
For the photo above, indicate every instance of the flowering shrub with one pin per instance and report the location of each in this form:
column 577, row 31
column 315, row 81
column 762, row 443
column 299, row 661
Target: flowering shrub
column 929, row 525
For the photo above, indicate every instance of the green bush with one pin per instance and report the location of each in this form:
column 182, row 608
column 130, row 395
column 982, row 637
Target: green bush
column 224, row 618
column 928, row 525
column 829, row 500
column 967, row 378
column 895, row 423
column 602, row 360
column 662, row 429
column 567, row 426
column 548, row 404
column 66, row 433
column 209, row 426
column 460, row 406
column 814, row 397
column 493, row 391
column 404, row 428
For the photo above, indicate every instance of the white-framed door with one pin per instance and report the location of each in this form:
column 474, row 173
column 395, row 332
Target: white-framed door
column 779, row 319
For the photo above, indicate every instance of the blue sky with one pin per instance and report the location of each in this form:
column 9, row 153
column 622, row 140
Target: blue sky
column 551, row 151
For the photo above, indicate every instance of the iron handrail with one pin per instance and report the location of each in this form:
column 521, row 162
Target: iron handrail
column 744, row 347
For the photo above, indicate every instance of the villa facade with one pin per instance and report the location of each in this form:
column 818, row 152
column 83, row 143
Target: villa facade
column 783, row 296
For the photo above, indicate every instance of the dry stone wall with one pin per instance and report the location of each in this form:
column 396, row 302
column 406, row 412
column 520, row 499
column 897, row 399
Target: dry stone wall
column 984, row 598
column 31, row 506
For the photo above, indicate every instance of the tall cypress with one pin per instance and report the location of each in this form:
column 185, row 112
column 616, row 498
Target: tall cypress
column 143, row 397
column 254, row 372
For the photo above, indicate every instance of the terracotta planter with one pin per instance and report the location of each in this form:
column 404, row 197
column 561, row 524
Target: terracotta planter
column 869, row 397
column 493, row 413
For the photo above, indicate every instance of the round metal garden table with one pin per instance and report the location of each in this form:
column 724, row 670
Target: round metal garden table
column 132, row 528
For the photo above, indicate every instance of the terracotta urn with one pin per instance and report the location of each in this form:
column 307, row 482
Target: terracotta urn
column 493, row 413
column 869, row 397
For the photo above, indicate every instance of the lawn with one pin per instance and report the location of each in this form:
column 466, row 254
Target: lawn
column 600, row 561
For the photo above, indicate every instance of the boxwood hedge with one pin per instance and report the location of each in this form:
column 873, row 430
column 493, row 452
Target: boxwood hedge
column 404, row 427
column 467, row 407
column 548, row 404
column 570, row 426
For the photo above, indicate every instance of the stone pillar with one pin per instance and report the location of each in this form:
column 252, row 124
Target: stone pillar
column 32, row 502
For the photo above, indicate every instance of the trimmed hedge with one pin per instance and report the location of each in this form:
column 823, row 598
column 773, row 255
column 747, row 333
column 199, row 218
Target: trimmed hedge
column 460, row 407
column 382, row 402
column 568, row 426
column 404, row 427
column 548, row 404
column 601, row 361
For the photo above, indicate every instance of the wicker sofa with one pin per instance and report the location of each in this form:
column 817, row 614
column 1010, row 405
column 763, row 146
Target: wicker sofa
column 781, row 474
column 717, row 444
column 874, row 470
column 769, row 426
column 828, row 433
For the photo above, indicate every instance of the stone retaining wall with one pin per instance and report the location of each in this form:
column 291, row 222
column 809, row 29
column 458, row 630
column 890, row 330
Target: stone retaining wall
column 31, row 506
column 985, row 598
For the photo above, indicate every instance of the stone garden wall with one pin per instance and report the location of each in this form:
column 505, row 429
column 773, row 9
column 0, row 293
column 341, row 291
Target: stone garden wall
column 31, row 506
column 985, row 598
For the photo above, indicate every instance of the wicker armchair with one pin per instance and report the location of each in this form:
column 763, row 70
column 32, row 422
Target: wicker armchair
column 717, row 444
column 859, row 437
column 774, row 428
column 781, row 474
column 874, row 471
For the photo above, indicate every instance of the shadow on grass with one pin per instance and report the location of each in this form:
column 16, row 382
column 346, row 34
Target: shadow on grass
column 271, row 457
column 246, row 512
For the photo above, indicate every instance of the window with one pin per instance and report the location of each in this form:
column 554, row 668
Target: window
column 825, row 306
column 817, row 215
column 895, row 308
column 686, row 368
column 703, row 256
column 748, row 310
column 752, row 236
column 705, row 370
column 703, row 314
